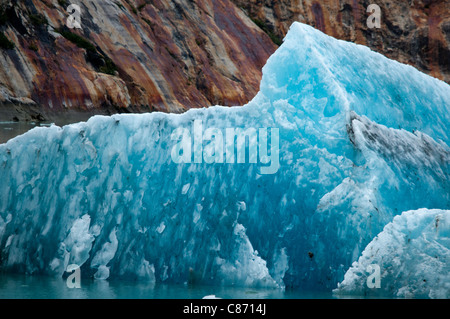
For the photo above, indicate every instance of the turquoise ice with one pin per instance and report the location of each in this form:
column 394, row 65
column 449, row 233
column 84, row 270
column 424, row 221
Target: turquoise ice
column 361, row 139
column 413, row 256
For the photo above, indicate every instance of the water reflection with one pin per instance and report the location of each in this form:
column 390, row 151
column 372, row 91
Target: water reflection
column 9, row 130
column 43, row 287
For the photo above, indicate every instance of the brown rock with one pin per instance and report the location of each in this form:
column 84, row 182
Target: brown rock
column 174, row 55
column 414, row 32
column 143, row 55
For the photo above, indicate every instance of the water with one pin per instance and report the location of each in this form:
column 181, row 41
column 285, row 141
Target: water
column 8, row 130
column 13, row 286
column 11, row 129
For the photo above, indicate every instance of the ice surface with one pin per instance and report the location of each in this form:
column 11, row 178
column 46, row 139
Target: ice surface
column 211, row 297
column 413, row 253
column 361, row 139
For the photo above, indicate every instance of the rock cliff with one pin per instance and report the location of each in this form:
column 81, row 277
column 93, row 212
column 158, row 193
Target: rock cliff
column 416, row 32
column 128, row 56
column 146, row 55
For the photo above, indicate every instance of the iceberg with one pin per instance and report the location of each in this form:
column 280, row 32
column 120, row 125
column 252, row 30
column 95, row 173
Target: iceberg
column 413, row 253
column 286, row 191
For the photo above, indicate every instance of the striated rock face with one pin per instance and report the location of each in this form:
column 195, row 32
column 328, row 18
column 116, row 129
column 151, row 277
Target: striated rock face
column 416, row 32
column 172, row 55
column 130, row 55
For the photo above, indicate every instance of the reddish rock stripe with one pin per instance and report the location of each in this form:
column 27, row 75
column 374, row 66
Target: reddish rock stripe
column 170, row 56
column 413, row 32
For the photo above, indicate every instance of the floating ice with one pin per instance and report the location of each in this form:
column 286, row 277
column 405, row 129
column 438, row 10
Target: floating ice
column 361, row 139
column 413, row 254
column 211, row 297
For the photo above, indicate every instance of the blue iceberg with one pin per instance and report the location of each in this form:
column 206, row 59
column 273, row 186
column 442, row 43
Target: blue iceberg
column 286, row 191
column 413, row 256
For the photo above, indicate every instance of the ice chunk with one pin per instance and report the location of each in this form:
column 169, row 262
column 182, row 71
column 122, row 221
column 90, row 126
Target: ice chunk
column 413, row 256
column 246, row 268
column 161, row 227
column 78, row 243
column 211, row 297
column 356, row 139
column 104, row 256
column 185, row 188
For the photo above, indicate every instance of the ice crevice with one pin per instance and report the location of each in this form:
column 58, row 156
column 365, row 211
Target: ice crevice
column 363, row 144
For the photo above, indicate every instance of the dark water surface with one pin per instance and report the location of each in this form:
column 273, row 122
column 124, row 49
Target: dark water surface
column 9, row 130
column 42, row 287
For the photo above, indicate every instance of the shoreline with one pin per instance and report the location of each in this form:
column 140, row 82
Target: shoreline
column 32, row 112
column 16, row 118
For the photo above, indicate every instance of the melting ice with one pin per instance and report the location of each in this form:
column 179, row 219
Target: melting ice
column 361, row 139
